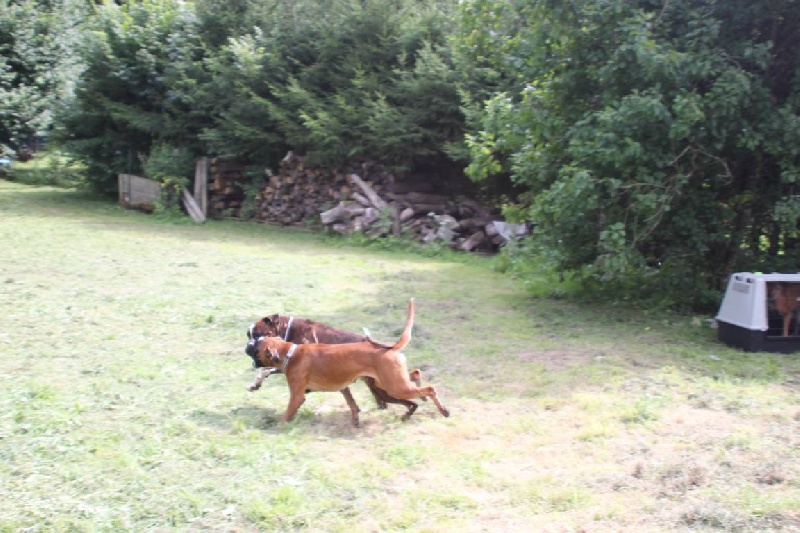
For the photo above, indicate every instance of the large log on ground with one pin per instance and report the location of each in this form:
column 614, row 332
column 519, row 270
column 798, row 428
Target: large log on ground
column 341, row 213
column 473, row 241
column 419, row 198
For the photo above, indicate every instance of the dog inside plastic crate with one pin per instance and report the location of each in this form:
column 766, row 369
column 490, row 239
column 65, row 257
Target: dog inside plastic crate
column 756, row 311
column 783, row 299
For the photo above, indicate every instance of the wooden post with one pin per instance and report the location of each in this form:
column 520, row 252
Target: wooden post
column 201, row 184
column 396, row 223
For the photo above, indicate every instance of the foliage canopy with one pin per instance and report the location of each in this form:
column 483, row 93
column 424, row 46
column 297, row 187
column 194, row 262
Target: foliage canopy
column 32, row 65
column 657, row 142
column 132, row 93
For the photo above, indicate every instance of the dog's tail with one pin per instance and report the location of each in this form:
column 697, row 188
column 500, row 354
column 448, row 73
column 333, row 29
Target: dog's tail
column 405, row 338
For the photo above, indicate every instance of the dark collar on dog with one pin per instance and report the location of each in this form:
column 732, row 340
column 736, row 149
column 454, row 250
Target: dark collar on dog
column 289, row 355
column 288, row 328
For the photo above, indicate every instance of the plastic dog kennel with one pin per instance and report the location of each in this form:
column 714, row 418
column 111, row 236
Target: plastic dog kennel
column 747, row 319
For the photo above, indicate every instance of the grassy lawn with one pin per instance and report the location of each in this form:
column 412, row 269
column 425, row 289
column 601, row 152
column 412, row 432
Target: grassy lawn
column 123, row 401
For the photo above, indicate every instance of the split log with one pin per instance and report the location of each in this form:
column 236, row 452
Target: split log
column 468, row 205
column 412, row 186
column 418, row 198
column 406, row 214
column 473, row 241
column 505, row 231
column 341, row 213
column 360, row 198
column 474, row 223
column 363, row 222
column 368, row 191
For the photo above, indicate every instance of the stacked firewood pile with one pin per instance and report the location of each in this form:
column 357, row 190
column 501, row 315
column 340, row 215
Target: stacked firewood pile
column 295, row 195
column 365, row 199
column 298, row 193
column 462, row 223
column 225, row 192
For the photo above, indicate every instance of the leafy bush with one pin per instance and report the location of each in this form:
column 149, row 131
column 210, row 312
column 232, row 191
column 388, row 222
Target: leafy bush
column 173, row 168
column 656, row 143
column 46, row 168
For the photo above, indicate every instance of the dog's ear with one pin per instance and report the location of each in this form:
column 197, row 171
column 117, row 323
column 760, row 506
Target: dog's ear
column 273, row 353
column 273, row 320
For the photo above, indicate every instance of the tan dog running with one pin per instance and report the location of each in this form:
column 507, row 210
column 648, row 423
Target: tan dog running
column 305, row 331
column 332, row 367
column 785, row 297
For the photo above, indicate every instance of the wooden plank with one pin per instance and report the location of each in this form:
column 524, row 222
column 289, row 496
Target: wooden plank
column 138, row 192
column 192, row 207
column 122, row 190
column 201, row 184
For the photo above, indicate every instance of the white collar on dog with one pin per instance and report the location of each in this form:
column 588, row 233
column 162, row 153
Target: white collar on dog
column 288, row 328
column 289, row 355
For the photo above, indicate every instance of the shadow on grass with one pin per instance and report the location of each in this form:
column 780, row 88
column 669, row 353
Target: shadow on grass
column 267, row 419
column 262, row 418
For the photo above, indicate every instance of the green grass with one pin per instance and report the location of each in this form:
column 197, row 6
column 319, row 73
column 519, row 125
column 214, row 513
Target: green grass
column 123, row 401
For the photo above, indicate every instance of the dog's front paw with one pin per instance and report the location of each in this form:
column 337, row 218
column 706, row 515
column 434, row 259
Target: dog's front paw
column 254, row 387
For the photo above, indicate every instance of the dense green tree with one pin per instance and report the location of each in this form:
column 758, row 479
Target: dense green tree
column 658, row 141
column 339, row 79
column 336, row 79
column 136, row 91
column 30, row 59
column 220, row 21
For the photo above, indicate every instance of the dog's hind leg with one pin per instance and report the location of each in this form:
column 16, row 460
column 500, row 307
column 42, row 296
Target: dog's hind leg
column 351, row 402
column 381, row 398
column 430, row 392
column 412, row 406
column 407, row 391
column 416, row 376
column 442, row 409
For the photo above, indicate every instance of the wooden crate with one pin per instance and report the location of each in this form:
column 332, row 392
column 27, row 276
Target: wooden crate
column 136, row 192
